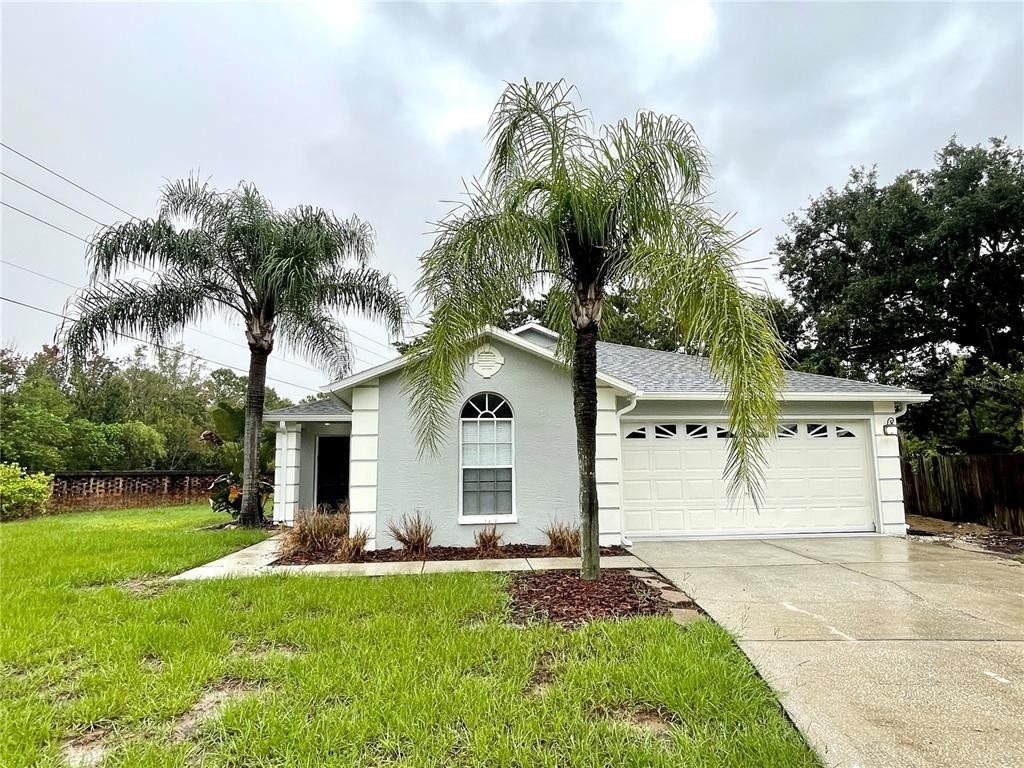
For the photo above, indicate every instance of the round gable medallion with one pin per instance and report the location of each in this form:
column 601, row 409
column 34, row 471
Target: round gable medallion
column 487, row 361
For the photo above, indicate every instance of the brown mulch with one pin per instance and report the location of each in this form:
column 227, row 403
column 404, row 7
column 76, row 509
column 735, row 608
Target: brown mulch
column 562, row 597
column 991, row 539
column 434, row 553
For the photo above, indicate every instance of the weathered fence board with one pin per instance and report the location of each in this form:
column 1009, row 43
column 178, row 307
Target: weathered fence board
column 967, row 489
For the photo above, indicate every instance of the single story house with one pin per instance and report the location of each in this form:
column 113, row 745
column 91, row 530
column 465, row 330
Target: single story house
column 510, row 456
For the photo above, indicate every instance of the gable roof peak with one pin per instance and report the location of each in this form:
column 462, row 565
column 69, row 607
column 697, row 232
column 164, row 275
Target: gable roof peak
column 533, row 325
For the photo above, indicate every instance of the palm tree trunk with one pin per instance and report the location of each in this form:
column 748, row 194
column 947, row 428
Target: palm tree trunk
column 251, row 515
column 584, row 391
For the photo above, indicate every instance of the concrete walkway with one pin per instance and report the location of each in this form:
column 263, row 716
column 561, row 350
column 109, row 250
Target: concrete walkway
column 256, row 561
column 886, row 653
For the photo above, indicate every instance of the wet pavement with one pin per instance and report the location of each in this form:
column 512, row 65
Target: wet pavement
column 886, row 653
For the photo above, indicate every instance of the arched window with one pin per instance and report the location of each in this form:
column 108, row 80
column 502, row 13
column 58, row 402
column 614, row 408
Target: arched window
column 487, row 458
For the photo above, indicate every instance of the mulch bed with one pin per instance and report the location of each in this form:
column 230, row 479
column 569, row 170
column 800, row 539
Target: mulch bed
column 991, row 539
column 564, row 598
column 434, row 553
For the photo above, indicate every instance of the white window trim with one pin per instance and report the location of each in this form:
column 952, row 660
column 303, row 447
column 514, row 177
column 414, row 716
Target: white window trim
column 488, row 519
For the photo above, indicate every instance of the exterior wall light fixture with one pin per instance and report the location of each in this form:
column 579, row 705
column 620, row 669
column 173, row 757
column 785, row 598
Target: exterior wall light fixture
column 890, row 429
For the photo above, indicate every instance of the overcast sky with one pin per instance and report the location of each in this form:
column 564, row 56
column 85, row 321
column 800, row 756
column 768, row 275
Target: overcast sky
column 381, row 110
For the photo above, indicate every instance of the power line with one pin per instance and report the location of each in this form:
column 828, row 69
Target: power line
column 191, row 327
column 65, row 178
column 160, row 346
column 122, row 210
column 43, row 221
column 53, row 199
column 82, row 239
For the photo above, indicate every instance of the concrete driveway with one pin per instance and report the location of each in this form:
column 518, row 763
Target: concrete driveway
column 886, row 653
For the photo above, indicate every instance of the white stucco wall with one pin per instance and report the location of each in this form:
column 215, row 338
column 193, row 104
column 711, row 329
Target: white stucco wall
column 545, row 475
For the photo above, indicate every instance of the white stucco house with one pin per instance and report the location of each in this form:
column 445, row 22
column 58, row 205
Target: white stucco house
column 510, row 457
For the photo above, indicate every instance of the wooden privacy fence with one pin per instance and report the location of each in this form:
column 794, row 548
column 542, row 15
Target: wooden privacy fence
column 967, row 489
column 120, row 490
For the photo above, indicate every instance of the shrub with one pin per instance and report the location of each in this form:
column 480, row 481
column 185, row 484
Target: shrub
column 563, row 540
column 23, row 494
column 488, row 541
column 353, row 547
column 315, row 531
column 413, row 533
column 226, row 494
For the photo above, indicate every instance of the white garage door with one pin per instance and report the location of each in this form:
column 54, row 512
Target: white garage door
column 818, row 480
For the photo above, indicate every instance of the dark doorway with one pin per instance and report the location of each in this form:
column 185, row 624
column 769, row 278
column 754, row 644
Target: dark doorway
column 331, row 470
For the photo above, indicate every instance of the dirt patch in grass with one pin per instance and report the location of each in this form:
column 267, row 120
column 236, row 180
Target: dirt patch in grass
column 141, row 588
column 642, row 718
column 564, row 598
column 542, row 678
column 86, row 750
column 434, row 553
column 210, row 705
column 975, row 534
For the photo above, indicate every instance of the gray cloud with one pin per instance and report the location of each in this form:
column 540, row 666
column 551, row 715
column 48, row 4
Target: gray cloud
column 381, row 110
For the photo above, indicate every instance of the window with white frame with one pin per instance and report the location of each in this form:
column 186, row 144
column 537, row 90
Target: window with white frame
column 487, row 456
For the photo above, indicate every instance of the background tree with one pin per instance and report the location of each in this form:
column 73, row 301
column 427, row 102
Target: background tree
column 35, row 412
column 919, row 282
column 569, row 211
column 287, row 275
column 226, row 386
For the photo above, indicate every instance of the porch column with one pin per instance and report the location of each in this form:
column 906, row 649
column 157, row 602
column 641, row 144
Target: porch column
column 363, row 462
column 287, row 458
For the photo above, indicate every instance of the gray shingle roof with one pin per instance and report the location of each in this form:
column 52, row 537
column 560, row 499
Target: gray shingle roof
column 652, row 371
column 328, row 407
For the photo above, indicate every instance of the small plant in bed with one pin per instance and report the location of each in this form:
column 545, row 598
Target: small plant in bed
column 352, row 548
column 563, row 540
column 488, row 542
column 414, row 533
column 316, row 532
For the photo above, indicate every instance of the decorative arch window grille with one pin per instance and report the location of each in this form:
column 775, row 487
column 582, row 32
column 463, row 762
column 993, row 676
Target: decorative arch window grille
column 487, row 463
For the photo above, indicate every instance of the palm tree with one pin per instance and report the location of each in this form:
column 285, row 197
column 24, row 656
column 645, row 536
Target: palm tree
column 571, row 211
column 286, row 274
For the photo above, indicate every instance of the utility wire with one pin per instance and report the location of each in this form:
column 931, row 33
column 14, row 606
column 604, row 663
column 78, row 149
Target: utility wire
column 53, row 199
column 72, row 234
column 386, row 347
column 65, row 178
column 161, row 346
column 233, row 342
column 43, row 221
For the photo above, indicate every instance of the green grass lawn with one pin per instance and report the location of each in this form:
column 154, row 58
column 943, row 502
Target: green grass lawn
column 411, row 671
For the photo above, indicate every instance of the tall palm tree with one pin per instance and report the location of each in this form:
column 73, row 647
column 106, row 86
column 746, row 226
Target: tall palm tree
column 286, row 274
column 572, row 210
